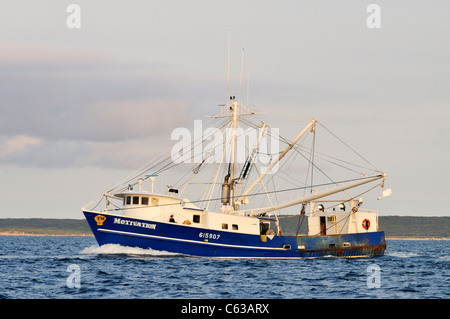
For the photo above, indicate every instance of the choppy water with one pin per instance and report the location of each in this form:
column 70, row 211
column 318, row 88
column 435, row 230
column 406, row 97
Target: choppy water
column 75, row 267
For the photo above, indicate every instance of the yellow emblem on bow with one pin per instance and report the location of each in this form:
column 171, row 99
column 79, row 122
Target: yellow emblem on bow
column 99, row 219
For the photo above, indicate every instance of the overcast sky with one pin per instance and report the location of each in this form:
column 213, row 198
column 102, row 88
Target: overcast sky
column 80, row 109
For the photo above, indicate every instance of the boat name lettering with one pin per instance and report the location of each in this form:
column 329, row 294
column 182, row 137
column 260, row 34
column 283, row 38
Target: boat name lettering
column 134, row 223
column 209, row 235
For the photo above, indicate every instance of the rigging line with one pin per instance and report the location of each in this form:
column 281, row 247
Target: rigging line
column 135, row 174
column 145, row 168
column 325, row 156
column 289, row 159
column 202, row 138
column 140, row 173
column 98, row 203
column 200, row 164
column 271, row 178
column 288, row 177
column 279, row 112
column 320, row 170
column 269, row 192
column 250, row 156
column 314, row 165
column 289, row 156
column 337, row 164
column 299, row 146
column 187, row 172
column 276, row 197
column 89, row 204
column 208, row 193
column 211, row 191
column 349, row 147
column 265, row 191
column 165, row 167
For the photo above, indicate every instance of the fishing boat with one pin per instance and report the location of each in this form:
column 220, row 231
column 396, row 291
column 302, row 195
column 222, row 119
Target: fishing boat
column 238, row 181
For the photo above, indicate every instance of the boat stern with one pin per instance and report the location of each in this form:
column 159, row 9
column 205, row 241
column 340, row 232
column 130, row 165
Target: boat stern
column 345, row 245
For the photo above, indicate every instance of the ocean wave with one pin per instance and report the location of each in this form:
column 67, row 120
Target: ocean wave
column 402, row 254
column 116, row 249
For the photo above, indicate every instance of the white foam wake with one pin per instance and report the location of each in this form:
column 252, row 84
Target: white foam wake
column 402, row 254
column 116, row 249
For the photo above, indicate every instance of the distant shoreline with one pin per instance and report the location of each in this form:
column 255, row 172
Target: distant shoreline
column 16, row 233
column 417, row 238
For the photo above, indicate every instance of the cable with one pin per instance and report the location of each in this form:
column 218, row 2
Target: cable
column 265, row 193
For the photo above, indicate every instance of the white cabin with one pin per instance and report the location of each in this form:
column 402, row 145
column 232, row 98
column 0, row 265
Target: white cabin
column 334, row 222
column 169, row 209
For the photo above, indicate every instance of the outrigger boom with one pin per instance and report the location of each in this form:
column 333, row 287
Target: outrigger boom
column 322, row 194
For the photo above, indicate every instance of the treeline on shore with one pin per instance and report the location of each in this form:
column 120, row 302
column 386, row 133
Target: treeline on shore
column 393, row 226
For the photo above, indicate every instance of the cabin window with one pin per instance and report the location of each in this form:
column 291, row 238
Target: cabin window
column 196, row 218
column 144, row 200
column 128, row 200
column 155, row 201
column 235, row 227
column 331, row 219
column 224, row 226
column 264, row 227
column 135, row 200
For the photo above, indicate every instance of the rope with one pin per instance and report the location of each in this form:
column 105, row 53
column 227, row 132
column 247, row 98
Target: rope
column 269, row 192
column 349, row 147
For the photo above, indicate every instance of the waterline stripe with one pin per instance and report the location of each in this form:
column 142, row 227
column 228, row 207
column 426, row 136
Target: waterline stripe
column 186, row 240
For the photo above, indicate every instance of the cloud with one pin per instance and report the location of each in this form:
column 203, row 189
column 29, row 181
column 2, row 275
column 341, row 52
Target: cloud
column 11, row 145
column 91, row 99
column 40, row 54
column 60, row 111
column 124, row 120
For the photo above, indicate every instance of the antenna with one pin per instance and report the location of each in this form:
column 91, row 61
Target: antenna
column 228, row 73
column 240, row 81
column 248, row 89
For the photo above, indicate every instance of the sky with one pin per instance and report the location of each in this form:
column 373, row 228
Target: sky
column 82, row 108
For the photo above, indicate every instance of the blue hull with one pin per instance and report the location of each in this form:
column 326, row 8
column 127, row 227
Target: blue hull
column 195, row 241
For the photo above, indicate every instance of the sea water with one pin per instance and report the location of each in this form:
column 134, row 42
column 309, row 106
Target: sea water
column 76, row 267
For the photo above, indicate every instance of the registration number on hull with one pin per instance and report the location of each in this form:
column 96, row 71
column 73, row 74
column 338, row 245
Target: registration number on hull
column 208, row 235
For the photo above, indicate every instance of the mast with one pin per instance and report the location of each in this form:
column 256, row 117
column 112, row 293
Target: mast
column 234, row 110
